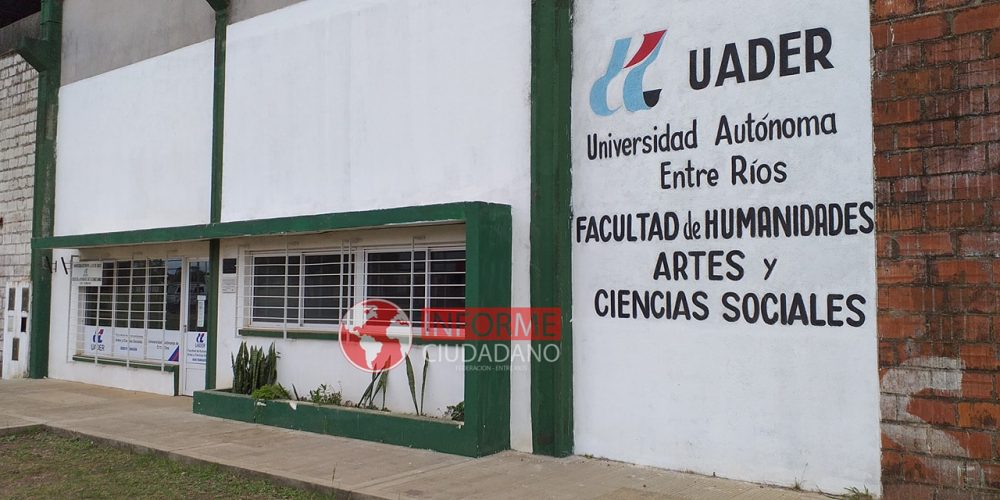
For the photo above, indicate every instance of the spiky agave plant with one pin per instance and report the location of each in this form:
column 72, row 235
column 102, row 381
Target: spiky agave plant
column 253, row 368
column 380, row 379
column 241, row 368
column 411, row 379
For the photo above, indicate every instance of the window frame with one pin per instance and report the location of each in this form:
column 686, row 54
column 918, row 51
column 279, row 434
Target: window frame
column 358, row 256
column 121, row 290
column 251, row 321
column 417, row 322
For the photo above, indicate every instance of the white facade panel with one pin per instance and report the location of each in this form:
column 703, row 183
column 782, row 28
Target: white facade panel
column 342, row 106
column 135, row 145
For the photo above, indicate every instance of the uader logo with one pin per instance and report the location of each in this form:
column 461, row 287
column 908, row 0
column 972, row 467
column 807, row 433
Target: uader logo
column 633, row 95
column 97, row 340
column 375, row 335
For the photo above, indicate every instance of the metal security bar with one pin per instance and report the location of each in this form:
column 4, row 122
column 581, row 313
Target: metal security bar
column 417, row 278
column 303, row 290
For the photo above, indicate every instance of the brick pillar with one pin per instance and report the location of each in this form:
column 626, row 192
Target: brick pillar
column 936, row 91
column 18, row 98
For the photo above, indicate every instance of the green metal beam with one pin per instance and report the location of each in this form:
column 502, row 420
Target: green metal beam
column 218, row 5
column 44, row 55
column 40, row 54
column 551, row 286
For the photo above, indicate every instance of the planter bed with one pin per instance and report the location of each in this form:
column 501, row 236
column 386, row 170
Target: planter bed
column 442, row 435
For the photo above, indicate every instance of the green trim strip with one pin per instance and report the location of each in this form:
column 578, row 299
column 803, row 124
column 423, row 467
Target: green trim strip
column 447, row 212
column 141, row 365
column 292, row 334
column 246, row 332
column 45, row 55
column 551, row 268
column 314, row 336
column 321, row 335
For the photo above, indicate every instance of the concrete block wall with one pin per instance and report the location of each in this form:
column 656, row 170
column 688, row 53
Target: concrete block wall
column 18, row 98
column 936, row 92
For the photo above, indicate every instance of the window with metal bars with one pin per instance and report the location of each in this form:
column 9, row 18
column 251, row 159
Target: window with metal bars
column 417, row 279
column 311, row 290
column 300, row 290
column 131, row 295
column 135, row 305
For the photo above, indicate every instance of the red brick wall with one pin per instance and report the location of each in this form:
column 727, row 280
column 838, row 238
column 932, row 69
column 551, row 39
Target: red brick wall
column 936, row 98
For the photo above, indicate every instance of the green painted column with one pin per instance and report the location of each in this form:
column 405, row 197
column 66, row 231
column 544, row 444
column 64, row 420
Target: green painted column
column 218, row 105
column 221, row 8
column 551, row 64
column 44, row 55
column 212, row 328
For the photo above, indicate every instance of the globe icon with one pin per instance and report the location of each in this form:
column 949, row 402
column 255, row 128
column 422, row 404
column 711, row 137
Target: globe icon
column 375, row 335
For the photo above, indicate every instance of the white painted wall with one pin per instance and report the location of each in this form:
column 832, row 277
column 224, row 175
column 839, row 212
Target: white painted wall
column 342, row 106
column 777, row 404
column 134, row 145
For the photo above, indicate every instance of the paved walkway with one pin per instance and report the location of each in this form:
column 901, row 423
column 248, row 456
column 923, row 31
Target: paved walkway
column 351, row 468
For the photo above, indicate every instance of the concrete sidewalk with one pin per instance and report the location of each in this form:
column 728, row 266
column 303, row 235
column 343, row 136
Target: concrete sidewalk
column 351, row 468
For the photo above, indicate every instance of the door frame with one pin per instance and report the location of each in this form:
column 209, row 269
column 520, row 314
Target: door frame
column 185, row 319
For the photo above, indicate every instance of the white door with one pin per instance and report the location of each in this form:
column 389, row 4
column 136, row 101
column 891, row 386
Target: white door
column 14, row 336
column 194, row 345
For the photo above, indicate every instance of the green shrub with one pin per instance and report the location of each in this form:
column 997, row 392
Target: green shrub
column 270, row 391
column 456, row 412
column 323, row 396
